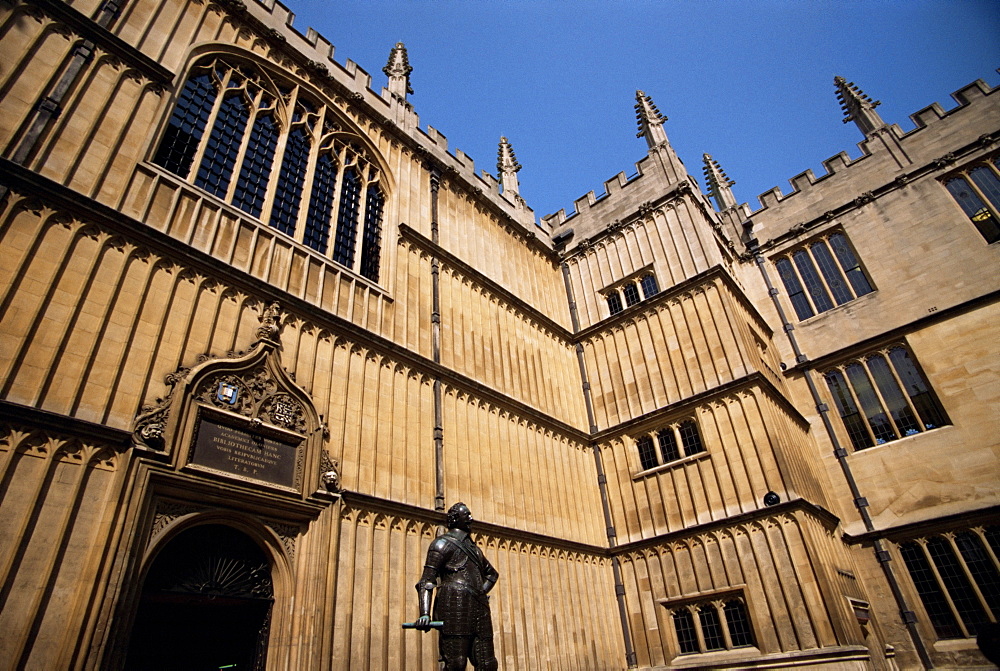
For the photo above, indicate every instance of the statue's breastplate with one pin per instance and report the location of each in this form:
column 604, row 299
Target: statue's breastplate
column 460, row 569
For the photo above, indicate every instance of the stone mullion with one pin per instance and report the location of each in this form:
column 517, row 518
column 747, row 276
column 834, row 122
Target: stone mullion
column 253, row 101
column 922, row 543
column 284, row 123
column 805, row 288
column 878, row 392
column 857, row 403
column 986, row 545
column 968, row 574
column 902, row 388
column 213, row 115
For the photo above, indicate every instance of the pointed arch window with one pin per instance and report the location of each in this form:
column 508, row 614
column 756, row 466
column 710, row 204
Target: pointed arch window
column 258, row 141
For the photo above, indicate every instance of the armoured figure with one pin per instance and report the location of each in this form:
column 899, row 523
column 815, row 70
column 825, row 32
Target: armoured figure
column 462, row 604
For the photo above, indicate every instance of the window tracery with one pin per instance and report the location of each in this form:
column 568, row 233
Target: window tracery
column 292, row 160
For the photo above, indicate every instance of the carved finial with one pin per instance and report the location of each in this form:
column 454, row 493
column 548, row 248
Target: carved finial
column 650, row 120
column 507, row 167
column 858, row 107
column 718, row 184
column 270, row 323
column 398, row 71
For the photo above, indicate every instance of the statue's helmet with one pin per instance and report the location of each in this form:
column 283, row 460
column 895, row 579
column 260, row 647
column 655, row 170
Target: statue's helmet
column 459, row 515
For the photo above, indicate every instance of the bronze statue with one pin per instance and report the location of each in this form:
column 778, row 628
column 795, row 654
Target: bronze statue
column 462, row 605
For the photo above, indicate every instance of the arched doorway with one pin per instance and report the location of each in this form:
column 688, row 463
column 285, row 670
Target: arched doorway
column 205, row 605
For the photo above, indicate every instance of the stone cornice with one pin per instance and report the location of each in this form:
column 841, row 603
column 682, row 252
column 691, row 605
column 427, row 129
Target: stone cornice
column 933, row 525
column 822, row 515
column 378, row 504
column 16, row 413
column 793, row 234
column 691, row 402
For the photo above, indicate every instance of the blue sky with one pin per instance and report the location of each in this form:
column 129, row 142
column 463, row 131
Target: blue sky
column 749, row 82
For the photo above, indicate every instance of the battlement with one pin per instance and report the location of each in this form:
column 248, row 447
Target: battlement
column 389, row 110
column 622, row 196
column 878, row 156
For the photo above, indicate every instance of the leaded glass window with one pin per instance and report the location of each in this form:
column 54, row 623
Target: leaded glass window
column 257, row 141
column 740, row 631
column 317, row 231
column 957, row 579
column 647, row 457
column 821, row 275
column 687, row 638
column 626, row 294
column 187, row 125
column 675, row 442
column 649, row 286
column 614, row 303
column 288, row 198
column 372, row 235
column 720, row 623
column 977, row 191
column 668, row 445
column 251, row 187
column 347, row 218
column 882, row 397
column 631, row 293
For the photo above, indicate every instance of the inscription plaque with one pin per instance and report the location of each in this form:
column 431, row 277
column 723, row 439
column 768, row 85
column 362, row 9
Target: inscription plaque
column 247, row 451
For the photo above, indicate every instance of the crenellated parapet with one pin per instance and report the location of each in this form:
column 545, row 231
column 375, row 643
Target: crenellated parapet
column 388, row 109
column 889, row 159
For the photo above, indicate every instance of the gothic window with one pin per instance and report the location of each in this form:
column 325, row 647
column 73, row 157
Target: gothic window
column 708, row 625
column 614, row 303
column 821, row 275
column 631, row 292
column 957, row 577
column 257, row 142
column 649, row 287
column 669, row 443
column 883, row 396
column 187, row 125
column 977, row 191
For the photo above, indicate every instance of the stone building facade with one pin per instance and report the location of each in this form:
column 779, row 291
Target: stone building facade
column 258, row 328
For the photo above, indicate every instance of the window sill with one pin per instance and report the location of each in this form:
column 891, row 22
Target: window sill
column 700, row 660
column 840, row 308
column 671, row 465
column 898, row 441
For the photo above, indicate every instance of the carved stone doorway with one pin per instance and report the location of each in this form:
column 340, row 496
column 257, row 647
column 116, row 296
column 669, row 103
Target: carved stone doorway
column 205, row 605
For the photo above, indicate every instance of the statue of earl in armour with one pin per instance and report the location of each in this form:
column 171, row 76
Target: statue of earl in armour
column 463, row 577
